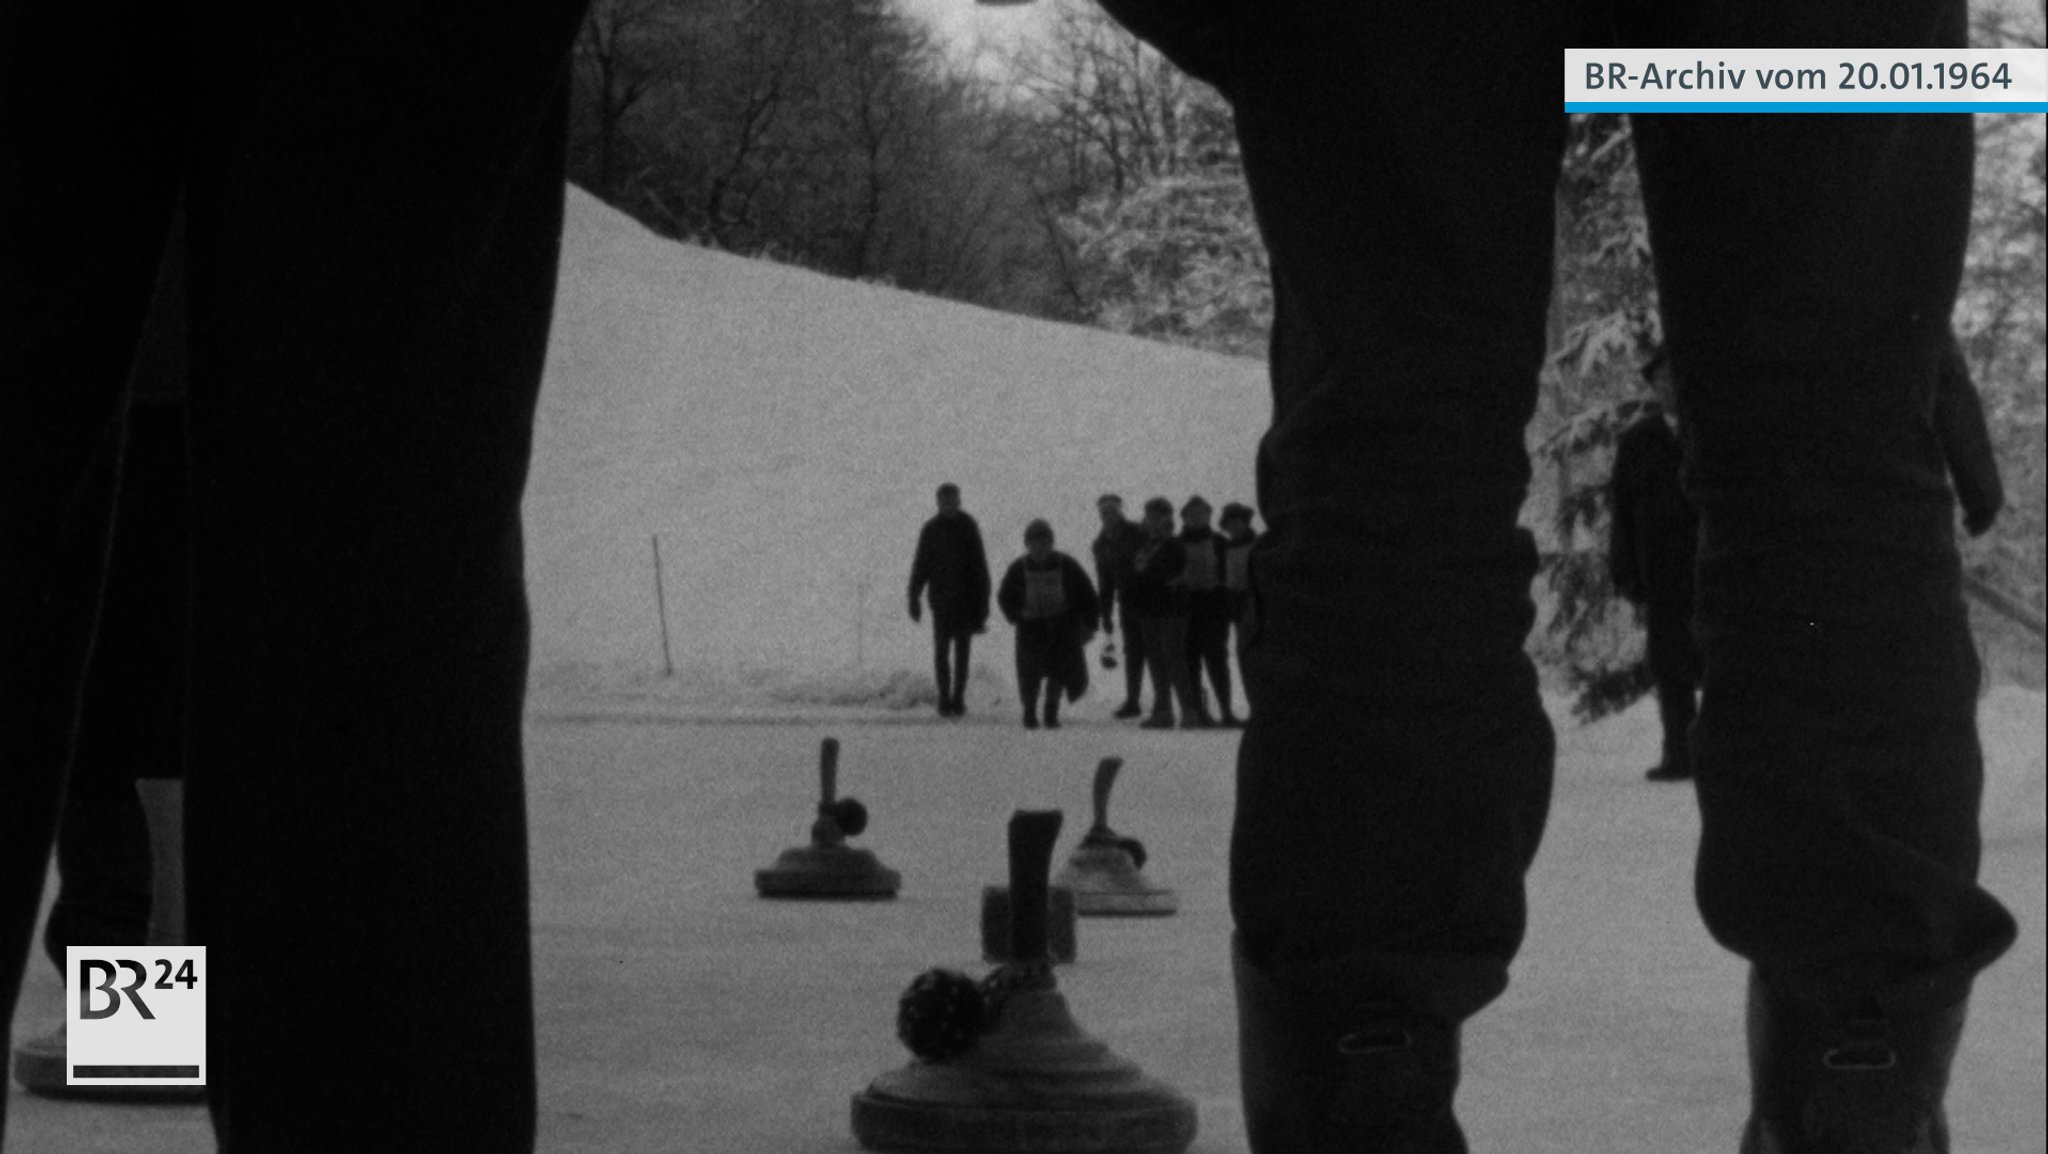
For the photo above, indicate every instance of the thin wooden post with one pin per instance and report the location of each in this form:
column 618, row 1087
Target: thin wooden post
column 668, row 665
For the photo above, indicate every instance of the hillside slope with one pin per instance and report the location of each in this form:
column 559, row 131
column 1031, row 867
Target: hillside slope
column 782, row 432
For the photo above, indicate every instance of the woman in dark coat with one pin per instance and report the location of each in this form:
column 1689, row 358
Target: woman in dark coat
column 1047, row 595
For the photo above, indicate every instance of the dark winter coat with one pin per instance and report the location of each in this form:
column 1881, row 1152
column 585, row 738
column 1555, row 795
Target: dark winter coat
column 1203, row 578
column 1237, row 557
column 1155, row 590
column 953, row 566
column 1116, row 555
column 1054, row 607
column 1654, row 544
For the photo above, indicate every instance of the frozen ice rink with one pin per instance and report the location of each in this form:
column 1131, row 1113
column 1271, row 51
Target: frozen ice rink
column 678, row 1012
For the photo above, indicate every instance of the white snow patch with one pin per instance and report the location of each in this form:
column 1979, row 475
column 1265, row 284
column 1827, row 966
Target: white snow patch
column 2013, row 724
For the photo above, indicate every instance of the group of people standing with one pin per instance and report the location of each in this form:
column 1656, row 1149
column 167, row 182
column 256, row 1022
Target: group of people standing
column 1176, row 590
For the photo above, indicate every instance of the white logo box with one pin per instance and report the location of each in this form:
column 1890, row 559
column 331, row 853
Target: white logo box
column 135, row 1015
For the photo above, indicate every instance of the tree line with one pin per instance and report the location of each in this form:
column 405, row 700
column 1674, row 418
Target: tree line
column 1088, row 180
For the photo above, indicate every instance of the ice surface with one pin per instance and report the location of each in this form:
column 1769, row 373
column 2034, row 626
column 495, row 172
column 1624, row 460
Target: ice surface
column 680, row 1013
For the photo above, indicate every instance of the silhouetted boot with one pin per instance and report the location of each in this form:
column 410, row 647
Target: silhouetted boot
column 1864, row 1084
column 1321, row 1076
column 1128, row 710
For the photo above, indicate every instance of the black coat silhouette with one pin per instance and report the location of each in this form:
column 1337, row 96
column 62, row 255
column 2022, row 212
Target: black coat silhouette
column 951, row 567
column 1654, row 545
column 1051, row 631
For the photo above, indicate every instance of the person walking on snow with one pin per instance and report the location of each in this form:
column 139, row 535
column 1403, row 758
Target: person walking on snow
column 1048, row 597
column 951, row 567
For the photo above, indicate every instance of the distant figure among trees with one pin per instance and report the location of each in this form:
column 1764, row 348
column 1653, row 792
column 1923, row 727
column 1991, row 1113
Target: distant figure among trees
column 951, row 567
column 1652, row 550
column 1048, row 597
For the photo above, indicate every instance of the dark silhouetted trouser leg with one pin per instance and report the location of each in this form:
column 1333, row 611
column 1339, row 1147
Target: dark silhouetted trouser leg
column 1675, row 665
column 1134, row 657
column 132, row 720
column 1677, row 707
column 1394, row 778
column 83, row 216
column 942, row 666
column 1209, row 652
column 374, row 209
column 104, row 868
column 1808, row 266
column 963, row 664
column 1032, row 671
column 952, row 652
column 1166, row 655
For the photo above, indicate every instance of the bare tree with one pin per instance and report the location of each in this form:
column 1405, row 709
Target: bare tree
column 1116, row 113
column 827, row 133
column 625, row 50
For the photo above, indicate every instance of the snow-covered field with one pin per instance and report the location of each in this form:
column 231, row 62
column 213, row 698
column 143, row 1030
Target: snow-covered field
column 782, row 434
